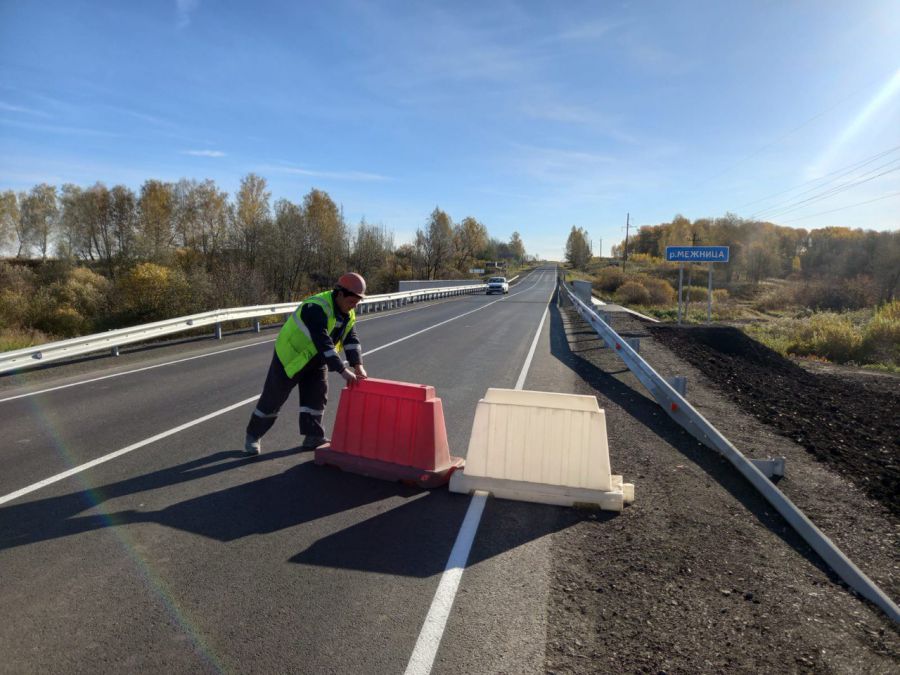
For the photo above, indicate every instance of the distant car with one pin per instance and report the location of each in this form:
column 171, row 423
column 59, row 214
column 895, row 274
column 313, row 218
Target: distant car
column 497, row 285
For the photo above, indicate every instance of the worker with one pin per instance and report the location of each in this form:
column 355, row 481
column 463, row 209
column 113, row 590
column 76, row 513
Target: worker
column 307, row 344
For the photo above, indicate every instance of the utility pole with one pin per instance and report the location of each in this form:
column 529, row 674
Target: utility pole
column 627, row 223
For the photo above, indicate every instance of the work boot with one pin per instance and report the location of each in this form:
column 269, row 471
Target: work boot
column 313, row 442
column 252, row 445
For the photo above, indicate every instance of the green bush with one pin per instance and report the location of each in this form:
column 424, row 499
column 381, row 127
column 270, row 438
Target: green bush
column 609, row 279
column 151, row 292
column 88, row 292
column 632, row 293
column 13, row 308
column 644, row 259
column 838, row 295
column 694, row 293
column 18, row 338
column 829, row 335
column 660, row 290
column 64, row 321
column 881, row 336
column 777, row 298
column 17, row 285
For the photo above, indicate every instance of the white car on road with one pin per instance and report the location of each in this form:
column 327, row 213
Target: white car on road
column 497, row 285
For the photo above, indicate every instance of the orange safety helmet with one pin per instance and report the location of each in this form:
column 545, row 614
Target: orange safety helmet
column 353, row 283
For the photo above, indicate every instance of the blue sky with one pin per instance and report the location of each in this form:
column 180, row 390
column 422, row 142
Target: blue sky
column 530, row 116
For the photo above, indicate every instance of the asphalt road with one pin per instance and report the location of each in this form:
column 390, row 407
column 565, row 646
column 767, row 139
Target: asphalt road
column 182, row 554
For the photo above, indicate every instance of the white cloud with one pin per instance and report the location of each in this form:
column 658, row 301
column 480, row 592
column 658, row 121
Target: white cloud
column 546, row 106
column 335, row 175
column 56, row 129
column 20, row 109
column 204, row 153
column 589, row 31
column 183, row 11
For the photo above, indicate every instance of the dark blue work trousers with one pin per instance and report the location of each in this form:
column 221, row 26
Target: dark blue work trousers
column 312, row 383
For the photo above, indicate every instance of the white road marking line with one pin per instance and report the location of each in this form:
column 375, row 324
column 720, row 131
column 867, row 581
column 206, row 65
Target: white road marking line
column 425, row 330
column 186, row 425
column 129, row 372
column 432, row 632
column 123, row 451
column 521, row 381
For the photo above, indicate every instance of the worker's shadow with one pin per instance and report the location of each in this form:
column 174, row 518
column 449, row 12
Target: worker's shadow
column 413, row 538
column 299, row 494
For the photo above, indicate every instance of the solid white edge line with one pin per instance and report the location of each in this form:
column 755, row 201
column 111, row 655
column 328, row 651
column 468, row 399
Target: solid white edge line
column 521, row 381
column 433, row 629
column 136, row 370
column 123, row 451
column 432, row 632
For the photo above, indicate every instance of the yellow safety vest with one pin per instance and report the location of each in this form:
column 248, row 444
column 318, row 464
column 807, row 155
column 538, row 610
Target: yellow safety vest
column 294, row 345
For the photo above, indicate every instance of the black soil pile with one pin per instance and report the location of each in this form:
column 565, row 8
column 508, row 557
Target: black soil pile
column 850, row 424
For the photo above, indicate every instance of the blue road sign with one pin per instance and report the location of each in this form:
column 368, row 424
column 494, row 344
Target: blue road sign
column 697, row 254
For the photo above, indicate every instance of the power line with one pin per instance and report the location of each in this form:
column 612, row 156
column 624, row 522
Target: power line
column 787, row 207
column 849, row 206
column 842, row 171
column 781, row 138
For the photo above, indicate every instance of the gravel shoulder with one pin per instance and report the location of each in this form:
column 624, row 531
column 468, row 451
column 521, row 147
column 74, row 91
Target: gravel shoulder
column 700, row 574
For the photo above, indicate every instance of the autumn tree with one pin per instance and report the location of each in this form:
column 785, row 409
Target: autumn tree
column 578, row 251
column 516, row 247
column 84, row 216
column 123, row 220
column 435, row 243
column 211, row 221
column 38, row 218
column 9, row 218
column 156, row 208
column 886, row 266
column 251, row 217
column 469, row 239
column 371, row 247
column 330, row 242
column 288, row 251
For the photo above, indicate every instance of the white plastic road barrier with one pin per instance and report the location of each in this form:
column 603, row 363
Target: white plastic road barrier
column 541, row 447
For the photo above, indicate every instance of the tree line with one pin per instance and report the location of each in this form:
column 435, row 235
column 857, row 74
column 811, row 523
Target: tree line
column 172, row 248
column 866, row 259
column 284, row 247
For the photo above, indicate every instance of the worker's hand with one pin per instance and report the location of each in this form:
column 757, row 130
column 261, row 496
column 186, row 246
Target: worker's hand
column 349, row 377
column 360, row 371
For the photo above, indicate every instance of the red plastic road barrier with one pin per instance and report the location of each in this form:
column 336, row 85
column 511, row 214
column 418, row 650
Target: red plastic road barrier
column 391, row 430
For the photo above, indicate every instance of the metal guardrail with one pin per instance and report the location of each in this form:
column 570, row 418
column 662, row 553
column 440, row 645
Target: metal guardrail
column 111, row 340
column 700, row 428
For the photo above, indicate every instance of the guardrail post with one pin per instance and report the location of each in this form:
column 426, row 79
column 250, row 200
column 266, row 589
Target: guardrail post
column 678, row 383
column 256, row 326
column 218, row 331
column 634, row 343
column 114, row 351
column 770, row 468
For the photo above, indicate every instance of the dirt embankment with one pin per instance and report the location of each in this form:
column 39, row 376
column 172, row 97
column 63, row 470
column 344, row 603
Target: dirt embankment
column 850, row 423
column 700, row 574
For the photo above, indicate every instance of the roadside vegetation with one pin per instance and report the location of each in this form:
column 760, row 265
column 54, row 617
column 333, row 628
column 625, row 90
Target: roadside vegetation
column 828, row 294
column 97, row 258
